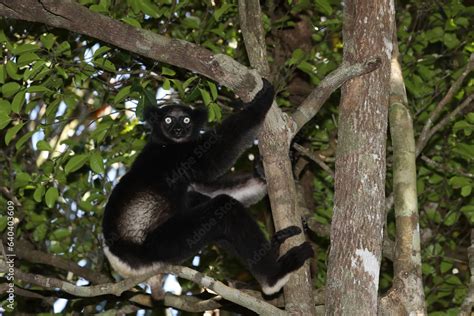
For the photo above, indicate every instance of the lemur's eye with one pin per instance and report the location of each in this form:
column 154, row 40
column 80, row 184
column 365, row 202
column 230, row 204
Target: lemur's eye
column 168, row 120
column 186, row 120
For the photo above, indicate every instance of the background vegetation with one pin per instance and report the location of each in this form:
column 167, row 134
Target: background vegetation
column 71, row 109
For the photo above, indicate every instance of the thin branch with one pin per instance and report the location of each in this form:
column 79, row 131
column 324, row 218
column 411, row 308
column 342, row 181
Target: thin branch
column 448, row 118
column 436, row 165
column 313, row 156
column 10, row 196
column 426, row 132
column 192, row 304
column 230, row 294
column 23, row 251
column 26, row 293
column 311, row 105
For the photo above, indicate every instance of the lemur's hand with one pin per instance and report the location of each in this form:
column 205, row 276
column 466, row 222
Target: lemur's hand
column 258, row 169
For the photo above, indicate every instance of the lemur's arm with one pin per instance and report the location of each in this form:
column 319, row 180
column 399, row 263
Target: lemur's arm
column 220, row 148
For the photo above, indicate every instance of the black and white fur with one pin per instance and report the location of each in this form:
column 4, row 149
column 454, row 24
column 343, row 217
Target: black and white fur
column 175, row 199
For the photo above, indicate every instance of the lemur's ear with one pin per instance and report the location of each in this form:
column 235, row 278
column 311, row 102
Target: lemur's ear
column 151, row 114
column 200, row 115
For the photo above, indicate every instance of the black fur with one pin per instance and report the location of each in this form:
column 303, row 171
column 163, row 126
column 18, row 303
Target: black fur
column 174, row 200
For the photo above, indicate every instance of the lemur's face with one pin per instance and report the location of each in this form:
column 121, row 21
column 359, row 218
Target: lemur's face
column 177, row 125
column 174, row 123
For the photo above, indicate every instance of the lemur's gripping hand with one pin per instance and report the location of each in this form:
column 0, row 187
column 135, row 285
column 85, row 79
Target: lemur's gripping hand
column 263, row 99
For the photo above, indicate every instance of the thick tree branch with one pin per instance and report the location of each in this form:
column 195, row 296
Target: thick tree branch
column 311, row 105
column 274, row 143
column 70, row 15
column 406, row 293
column 427, row 131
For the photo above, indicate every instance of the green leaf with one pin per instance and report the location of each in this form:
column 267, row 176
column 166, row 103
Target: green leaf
column 18, row 101
column 213, row 88
column 35, row 69
column 4, row 120
column 101, row 51
column 124, row 92
column 466, row 190
column 297, row 57
column 23, row 139
column 51, row 196
column 468, row 211
column 10, row 89
column 40, row 232
column 462, row 21
column 105, row 64
column 43, row 145
column 149, row 8
column 22, row 179
column 38, row 194
column 191, row 22
column 132, row 22
column 96, row 162
column 189, row 81
column 3, row 223
column 26, row 59
column 451, row 219
column 165, row 71
column 166, row 84
column 12, row 131
column 450, row 40
column 5, row 107
column 75, row 163
column 25, row 48
column 435, row 34
column 38, row 89
column 206, row 97
column 3, row 74
column 215, row 113
column 12, row 70
column 445, row 266
column 222, row 10
column 458, row 182
column 63, row 49
column 48, row 40
column 324, row 7
column 60, row 234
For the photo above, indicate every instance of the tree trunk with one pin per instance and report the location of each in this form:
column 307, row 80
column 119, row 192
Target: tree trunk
column 357, row 225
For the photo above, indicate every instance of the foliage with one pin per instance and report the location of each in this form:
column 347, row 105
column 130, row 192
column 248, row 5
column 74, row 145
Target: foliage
column 71, row 108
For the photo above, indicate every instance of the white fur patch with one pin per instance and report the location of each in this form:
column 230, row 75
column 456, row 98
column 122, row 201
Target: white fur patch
column 124, row 269
column 248, row 193
column 269, row 290
column 140, row 215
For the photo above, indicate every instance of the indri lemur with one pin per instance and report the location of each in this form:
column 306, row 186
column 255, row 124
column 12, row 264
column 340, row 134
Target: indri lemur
column 175, row 199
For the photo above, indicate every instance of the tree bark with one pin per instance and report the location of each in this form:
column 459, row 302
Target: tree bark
column 274, row 144
column 406, row 295
column 359, row 206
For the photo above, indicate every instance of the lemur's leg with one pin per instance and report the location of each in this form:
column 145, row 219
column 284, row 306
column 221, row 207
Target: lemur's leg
column 247, row 189
column 223, row 218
